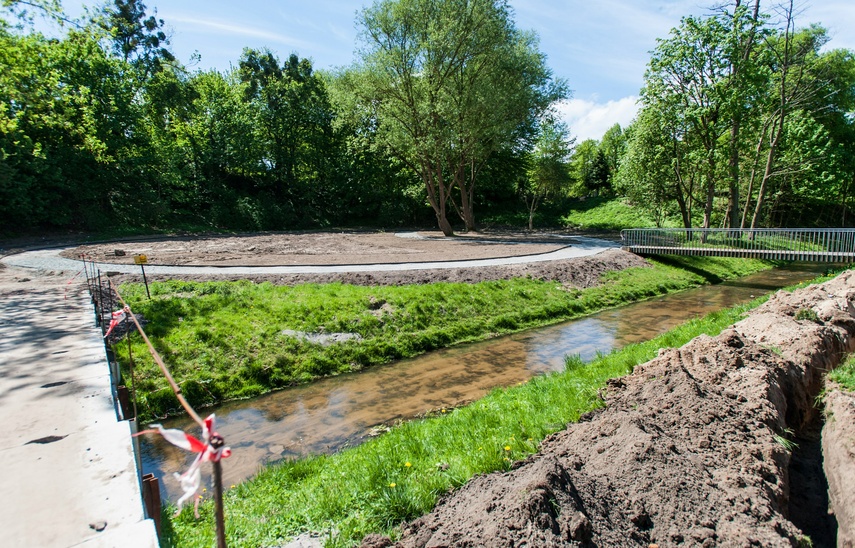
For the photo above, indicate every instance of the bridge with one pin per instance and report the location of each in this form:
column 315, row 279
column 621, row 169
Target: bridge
column 786, row 244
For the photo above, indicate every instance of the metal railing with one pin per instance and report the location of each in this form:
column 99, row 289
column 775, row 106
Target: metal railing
column 788, row 244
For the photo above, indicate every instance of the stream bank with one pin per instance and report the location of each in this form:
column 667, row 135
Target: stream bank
column 693, row 447
column 336, row 412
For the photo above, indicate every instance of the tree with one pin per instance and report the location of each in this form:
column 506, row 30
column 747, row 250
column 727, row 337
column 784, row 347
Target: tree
column 806, row 85
column 449, row 83
column 137, row 39
column 655, row 172
column 588, row 168
column 613, row 147
column 548, row 172
column 691, row 75
column 293, row 123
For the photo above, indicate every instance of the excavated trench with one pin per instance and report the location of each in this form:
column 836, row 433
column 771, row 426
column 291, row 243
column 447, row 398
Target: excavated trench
column 713, row 444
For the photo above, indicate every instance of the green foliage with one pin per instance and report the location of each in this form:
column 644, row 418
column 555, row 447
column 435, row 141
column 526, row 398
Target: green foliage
column 742, row 124
column 808, row 314
column 606, row 214
column 401, row 475
column 448, row 84
column 548, row 173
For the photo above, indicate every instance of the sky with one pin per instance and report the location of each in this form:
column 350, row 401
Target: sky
column 600, row 47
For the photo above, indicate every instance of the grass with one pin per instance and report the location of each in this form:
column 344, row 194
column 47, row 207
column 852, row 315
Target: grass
column 378, row 485
column 845, row 374
column 230, row 340
column 606, row 214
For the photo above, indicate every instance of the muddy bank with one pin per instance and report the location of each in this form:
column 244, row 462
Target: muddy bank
column 693, row 448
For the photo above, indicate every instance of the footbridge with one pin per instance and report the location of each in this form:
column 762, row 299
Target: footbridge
column 787, row 244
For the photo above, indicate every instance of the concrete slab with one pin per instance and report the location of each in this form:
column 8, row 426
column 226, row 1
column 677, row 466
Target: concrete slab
column 69, row 470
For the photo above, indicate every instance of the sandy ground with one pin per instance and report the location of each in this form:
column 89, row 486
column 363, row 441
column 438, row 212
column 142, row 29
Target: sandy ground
column 366, row 248
column 700, row 447
column 323, row 248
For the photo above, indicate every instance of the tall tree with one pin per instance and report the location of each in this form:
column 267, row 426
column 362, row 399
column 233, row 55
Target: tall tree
column 613, row 147
column 135, row 36
column 655, row 171
column 692, row 72
column 449, row 83
column 548, row 172
column 293, row 119
column 808, row 85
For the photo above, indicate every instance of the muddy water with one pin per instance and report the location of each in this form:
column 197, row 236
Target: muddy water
column 333, row 413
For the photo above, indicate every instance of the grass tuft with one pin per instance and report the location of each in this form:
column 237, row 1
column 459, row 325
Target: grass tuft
column 845, row 374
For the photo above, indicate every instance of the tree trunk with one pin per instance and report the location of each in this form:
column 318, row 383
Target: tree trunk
column 708, row 206
column 732, row 217
column 467, row 196
column 438, row 197
column 767, row 173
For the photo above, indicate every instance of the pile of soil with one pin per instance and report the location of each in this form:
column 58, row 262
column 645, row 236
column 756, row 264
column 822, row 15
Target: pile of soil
column 694, row 447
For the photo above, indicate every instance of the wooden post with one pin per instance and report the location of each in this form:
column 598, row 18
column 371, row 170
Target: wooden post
column 217, row 442
column 151, row 499
column 142, row 260
column 124, row 402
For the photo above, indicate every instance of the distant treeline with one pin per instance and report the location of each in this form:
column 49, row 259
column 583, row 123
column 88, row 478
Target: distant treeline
column 450, row 105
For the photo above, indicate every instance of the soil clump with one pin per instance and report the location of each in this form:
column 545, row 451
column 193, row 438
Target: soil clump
column 693, row 448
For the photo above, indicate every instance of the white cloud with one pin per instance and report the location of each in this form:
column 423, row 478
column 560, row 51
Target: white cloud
column 238, row 30
column 590, row 120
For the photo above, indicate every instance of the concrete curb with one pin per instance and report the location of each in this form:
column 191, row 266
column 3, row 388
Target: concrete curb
column 70, row 467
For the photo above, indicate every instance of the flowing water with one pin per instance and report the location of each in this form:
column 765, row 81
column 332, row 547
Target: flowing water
column 332, row 413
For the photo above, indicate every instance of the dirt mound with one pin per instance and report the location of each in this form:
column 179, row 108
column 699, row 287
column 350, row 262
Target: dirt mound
column 692, row 448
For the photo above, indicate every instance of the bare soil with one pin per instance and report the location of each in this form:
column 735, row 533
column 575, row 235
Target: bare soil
column 323, row 248
column 693, row 448
column 366, row 248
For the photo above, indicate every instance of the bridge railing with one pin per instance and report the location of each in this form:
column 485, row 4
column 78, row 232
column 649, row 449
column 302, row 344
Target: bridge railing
column 806, row 244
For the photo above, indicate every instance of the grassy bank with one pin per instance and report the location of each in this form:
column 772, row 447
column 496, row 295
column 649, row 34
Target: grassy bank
column 227, row 340
column 609, row 214
column 376, row 486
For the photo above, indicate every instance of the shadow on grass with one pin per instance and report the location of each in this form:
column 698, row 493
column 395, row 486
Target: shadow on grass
column 686, row 264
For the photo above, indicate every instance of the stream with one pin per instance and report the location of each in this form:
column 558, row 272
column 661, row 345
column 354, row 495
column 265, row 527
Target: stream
column 336, row 412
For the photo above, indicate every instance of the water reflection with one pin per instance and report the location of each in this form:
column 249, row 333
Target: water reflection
column 328, row 415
